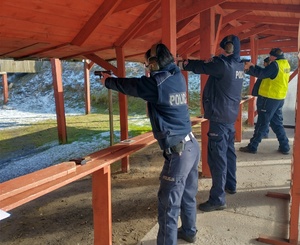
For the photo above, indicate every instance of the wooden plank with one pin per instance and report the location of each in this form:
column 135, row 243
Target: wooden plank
column 98, row 160
column 274, row 240
column 33, row 193
column 197, row 120
column 278, row 195
column 15, row 186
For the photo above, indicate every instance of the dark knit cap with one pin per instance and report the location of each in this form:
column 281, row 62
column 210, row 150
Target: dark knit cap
column 277, row 52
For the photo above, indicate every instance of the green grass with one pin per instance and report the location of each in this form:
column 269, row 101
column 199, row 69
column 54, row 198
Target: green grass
column 18, row 141
column 26, row 139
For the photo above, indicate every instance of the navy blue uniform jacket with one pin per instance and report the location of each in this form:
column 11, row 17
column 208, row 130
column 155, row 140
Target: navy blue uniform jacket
column 165, row 92
column 222, row 93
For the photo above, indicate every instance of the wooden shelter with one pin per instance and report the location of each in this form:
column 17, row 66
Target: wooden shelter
column 100, row 31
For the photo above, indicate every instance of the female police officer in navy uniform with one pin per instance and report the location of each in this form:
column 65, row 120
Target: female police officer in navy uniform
column 221, row 100
column 165, row 92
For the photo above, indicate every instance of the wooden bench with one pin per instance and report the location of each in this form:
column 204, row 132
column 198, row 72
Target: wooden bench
column 21, row 190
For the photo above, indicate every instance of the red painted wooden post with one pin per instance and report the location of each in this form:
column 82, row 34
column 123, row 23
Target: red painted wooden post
column 169, row 38
column 204, row 143
column 238, row 125
column 5, row 88
column 295, row 183
column 59, row 100
column 101, row 187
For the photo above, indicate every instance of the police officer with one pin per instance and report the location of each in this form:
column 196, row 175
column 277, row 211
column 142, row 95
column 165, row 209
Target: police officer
column 271, row 94
column 221, row 100
column 255, row 89
column 165, row 92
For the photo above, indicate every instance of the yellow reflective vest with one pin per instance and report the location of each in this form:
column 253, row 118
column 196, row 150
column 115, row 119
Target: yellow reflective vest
column 276, row 88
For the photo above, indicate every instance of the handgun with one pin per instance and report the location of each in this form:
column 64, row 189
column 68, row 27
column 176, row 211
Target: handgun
column 100, row 73
column 246, row 60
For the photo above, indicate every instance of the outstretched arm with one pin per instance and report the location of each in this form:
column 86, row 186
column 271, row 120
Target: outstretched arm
column 212, row 67
column 143, row 87
column 268, row 72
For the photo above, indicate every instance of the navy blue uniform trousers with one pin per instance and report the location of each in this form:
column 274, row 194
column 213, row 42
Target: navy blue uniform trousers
column 269, row 113
column 177, row 193
column 221, row 160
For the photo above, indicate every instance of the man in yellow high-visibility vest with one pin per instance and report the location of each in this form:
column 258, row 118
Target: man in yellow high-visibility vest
column 270, row 100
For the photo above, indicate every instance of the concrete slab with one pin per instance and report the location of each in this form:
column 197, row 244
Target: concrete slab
column 250, row 213
column 289, row 106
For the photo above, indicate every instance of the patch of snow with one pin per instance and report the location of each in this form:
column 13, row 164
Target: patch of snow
column 33, row 101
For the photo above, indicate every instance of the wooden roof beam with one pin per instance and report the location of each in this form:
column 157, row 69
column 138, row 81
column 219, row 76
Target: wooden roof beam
column 183, row 50
column 188, row 36
column 193, row 43
column 104, row 10
column 183, row 23
column 253, row 32
column 194, row 50
column 236, row 30
column 270, row 19
column 292, row 8
column 137, row 25
column 269, row 45
column 198, row 7
column 282, row 33
column 181, row 14
column 277, row 39
column 101, row 62
column 19, row 49
column 44, row 50
column 269, row 38
column 125, row 5
column 84, row 53
column 228, row 18
column 284, row 28
column 263, row 51
column 221, row 11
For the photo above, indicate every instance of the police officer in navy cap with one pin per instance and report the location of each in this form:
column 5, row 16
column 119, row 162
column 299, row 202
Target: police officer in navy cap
column 221, row 99
column 271, row 94
column 165, row 92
